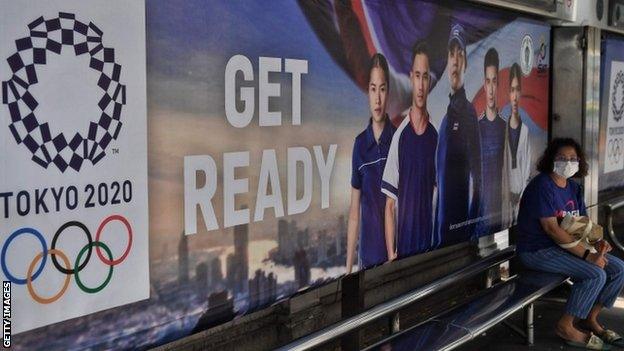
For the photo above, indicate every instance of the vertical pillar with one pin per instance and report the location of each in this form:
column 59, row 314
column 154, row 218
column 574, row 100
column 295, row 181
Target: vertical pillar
column 395, row 323
column 352, row 304
column 528, row 320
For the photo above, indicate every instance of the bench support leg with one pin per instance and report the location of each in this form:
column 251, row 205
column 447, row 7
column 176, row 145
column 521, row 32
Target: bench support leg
column 528, row 320
column 395, row 323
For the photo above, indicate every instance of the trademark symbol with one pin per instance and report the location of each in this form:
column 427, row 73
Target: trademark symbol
column 115, row 151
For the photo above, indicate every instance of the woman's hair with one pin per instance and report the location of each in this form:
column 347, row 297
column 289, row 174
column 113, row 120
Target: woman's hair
column 378, row 60
column 547, row 161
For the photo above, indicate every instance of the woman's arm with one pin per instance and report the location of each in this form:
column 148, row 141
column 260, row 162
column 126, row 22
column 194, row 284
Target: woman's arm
column 560, row 236
column 352, row 227
column 389, row 224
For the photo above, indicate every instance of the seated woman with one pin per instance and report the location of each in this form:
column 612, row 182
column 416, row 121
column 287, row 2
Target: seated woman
column 597, row 277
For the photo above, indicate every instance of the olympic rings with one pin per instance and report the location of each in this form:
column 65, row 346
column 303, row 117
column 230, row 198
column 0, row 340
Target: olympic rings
column 110, row 267
column 15, row 234
column 67, row 269
column 58, row 233
column 29, row 278
column 97, row 239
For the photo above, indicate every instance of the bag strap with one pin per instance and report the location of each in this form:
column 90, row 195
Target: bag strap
column 570, row 245
column 588, row 229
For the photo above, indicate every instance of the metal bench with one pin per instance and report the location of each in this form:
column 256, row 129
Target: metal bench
column 465, row 322
column 458, row 325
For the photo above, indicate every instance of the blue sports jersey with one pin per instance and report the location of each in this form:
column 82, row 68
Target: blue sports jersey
column 542, row 198
column 492, row 152
column 368, row 161
column 459, row 171
column 409, row 178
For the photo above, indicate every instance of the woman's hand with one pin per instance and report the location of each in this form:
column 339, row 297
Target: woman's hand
column 603, row 243
column 599, row 258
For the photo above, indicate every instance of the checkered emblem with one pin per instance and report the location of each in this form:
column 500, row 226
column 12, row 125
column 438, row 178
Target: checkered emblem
column 32, row 51
column 617, row 97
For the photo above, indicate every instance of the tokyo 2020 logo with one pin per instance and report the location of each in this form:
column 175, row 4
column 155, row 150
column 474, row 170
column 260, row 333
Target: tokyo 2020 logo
column 617, row 96
column 80, row 38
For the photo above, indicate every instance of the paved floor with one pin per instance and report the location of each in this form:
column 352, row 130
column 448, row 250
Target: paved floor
column 547, row 313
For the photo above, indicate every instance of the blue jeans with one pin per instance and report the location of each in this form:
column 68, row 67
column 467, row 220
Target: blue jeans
column 592, row 284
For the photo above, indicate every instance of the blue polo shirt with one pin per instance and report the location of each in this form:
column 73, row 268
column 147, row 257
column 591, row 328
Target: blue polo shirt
column 459, row 171
column 543, row 198
column 409, row 178
column 368, row 161
column 492, row 151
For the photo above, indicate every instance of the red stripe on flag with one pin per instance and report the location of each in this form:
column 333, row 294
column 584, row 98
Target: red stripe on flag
column 358, row 9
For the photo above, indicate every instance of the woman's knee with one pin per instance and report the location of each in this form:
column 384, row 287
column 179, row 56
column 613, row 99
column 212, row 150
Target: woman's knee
column 598, row 275
column 603, row 276
column 615, row 268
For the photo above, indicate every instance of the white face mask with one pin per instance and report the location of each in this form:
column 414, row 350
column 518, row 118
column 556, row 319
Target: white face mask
column 566, row 169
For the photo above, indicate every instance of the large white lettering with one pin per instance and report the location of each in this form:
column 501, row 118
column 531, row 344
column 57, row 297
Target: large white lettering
column 299, row 165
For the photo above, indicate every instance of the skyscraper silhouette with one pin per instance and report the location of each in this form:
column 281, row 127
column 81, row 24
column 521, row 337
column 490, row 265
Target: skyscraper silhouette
column 238, row 262
column 183, row 260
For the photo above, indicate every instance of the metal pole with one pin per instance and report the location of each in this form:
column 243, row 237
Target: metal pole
column 528, row 319
column 395, row 323
column 612, row 207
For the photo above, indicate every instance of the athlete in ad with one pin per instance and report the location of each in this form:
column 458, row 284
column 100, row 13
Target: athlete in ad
column 492, row 129
column 409, row 177
column 459, row 153
column 370, row 151
column 517, row 156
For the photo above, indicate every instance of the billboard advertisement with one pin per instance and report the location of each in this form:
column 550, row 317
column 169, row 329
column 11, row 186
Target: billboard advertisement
column 611, row 142
column 288, row 143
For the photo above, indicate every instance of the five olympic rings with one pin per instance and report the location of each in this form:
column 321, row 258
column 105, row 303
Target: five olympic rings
column 66, row 267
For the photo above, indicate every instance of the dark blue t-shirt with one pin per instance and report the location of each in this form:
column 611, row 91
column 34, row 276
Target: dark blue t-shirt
column 409, row 178
column 369, row 160
column 492, row 151
column 542, row 198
